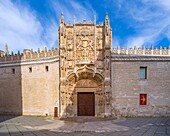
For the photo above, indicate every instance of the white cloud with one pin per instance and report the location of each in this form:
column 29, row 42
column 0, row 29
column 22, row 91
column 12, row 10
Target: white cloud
column 51, row 36
column 136, row 42
column 115, row 42
column 165, row 4
column 149, row 19
column 21, row 29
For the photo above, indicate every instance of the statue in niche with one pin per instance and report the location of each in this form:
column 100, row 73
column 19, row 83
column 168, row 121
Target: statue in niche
column 107, row 73
column 70, row 55
column 70, row 64
column 107, row 98
column 78, row 42
column 62, row 64
column 107, row 31
column 72, row 99
column 107, row 63
column 62, row 99
column 62, row 40
column 70, row 44
column 100, row 44
column 69, row 31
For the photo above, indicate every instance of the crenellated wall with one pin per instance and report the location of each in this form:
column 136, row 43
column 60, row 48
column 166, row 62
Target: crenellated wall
column 29, row 83
column 147, row 52
column 127, row 85
column 29, row 55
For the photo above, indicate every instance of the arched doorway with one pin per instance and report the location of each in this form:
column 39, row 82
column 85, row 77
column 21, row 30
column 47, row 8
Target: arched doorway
column 83, row 94
column 86, row 90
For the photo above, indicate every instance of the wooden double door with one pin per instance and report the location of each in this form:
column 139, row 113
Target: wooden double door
column 86, row 104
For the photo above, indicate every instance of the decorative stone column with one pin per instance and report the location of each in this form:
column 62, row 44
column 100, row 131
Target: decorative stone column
column 107, row 70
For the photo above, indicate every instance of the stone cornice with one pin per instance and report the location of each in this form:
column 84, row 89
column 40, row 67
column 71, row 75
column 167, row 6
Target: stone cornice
column 29, row 62
column 139, row 58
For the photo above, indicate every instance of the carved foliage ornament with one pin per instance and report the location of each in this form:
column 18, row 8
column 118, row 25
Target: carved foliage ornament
column 70, row 43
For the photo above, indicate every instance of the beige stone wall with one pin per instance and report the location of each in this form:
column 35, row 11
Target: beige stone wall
column 10, row 90
column 126, row 87
column 35, row 93
column 40, row 89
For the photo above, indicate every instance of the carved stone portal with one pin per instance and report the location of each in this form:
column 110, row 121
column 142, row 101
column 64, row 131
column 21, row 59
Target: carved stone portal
column 85, row 66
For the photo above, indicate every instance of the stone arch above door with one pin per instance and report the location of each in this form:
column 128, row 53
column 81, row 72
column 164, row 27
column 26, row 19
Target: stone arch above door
column 85, row 72
column 83, row 80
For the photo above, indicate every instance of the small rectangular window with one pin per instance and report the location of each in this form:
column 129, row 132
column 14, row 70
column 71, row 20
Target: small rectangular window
column 143, row 72
column 143, row 99
column 13, row 70
column 30, row 69
column 46, row 68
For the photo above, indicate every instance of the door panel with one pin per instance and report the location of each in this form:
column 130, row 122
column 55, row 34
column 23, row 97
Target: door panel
column 86, row 104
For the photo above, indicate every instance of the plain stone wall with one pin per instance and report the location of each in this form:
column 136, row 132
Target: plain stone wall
column 126, row 87
column 40, row 89
column 10, row 91
column 25, row 93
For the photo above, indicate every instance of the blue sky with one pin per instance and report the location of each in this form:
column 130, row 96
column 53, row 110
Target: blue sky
column 32, row 24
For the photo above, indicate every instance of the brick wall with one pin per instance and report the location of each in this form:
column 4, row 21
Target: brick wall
column 127, row 86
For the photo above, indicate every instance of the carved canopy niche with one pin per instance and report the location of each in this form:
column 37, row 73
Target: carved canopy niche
column 85, row 73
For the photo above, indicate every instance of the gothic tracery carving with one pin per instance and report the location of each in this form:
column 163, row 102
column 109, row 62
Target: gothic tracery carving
column 84, row 63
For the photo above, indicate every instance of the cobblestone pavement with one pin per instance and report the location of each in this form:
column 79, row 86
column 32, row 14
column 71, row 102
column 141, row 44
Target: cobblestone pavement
column 45, row 126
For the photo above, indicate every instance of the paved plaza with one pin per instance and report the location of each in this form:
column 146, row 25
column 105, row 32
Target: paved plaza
column 46, row 126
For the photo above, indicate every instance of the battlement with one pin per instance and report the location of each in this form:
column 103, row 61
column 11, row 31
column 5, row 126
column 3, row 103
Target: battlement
column 29, row 55
column 142, row 52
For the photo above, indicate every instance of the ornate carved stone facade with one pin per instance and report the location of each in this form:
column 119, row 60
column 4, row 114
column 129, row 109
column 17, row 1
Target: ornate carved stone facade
column 85, row 57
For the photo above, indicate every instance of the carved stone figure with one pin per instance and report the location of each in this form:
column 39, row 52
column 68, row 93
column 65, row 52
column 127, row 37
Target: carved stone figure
column 62, row 64
column 62, row 99
column 70, row 64
column 70, row 45
column 69, row 55
column 107, row 98
column 107, row 63
column 100, row 44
